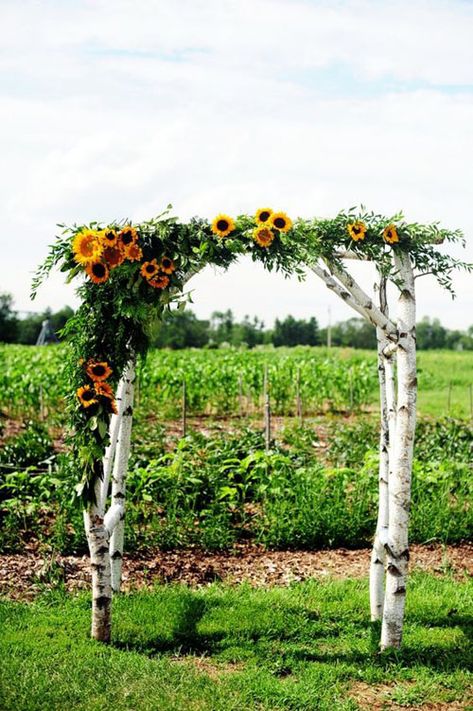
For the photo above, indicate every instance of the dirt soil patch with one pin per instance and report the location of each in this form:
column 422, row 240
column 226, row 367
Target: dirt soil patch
column 379, row 698
column 22, row 576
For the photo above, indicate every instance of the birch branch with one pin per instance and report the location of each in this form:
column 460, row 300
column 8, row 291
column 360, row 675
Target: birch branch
column 113, row 516
column 349, row 254
column 337, row 289
column 374, row 314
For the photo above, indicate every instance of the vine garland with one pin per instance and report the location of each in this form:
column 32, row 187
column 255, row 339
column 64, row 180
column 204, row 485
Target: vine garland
column 135, row 272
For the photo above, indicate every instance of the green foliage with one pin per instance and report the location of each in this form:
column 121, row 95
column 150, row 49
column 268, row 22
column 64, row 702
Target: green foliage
column 237, row 648
column 33, row 446
column 214, row 491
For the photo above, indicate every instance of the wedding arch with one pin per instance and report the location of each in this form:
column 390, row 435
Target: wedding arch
column 133, row 273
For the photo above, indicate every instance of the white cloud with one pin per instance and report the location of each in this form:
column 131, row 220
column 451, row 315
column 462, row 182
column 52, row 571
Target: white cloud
column 113, row 109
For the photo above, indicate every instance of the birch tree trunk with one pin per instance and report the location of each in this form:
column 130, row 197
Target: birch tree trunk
column 387, row 398
column 397, row 548
column 378, row 554
column 105, row 530
column 101, row 575
column 119, row 482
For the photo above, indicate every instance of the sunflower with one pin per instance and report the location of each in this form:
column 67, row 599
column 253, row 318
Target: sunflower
column 357, row 230
column 86, row 395
column 104, row 389
column 159, row 282
column 167, row 265
column 133, row 252
column 263, row 236
column 149, row 269
column 109, row 238
column 390, row 234
column 98, row 272
column 222, row 225
column 98, row 371
column 128, row 235
column 87, row 247
column 263, row 215
column 113, row 256
column 280, row 221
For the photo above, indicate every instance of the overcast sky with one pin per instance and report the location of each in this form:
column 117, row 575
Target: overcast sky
column 114, row 108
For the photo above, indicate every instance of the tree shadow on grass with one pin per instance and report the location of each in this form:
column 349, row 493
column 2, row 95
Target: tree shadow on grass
column 184, row 638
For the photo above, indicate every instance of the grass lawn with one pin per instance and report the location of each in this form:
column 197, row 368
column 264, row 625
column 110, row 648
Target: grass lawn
column 309, row 646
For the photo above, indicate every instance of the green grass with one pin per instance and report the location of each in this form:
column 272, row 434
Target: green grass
column 303, row 647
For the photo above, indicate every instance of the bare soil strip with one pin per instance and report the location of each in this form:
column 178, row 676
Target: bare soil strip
column 22, row 576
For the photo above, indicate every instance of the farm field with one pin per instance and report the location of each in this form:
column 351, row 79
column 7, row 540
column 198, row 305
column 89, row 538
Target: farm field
column 198, row 502
column 230, row 382
column 218, row 487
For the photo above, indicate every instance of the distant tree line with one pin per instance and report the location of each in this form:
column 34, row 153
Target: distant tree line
column 183, row 329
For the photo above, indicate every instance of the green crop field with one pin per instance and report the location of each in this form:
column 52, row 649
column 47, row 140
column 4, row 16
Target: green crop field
column 317, row 487
column 228, row 381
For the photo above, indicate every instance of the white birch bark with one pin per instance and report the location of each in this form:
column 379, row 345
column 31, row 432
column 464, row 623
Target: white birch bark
column 386, row 356
column 378, row 553
column 352, row 294
column 114, row 429
column 363, row 300
column 101, row 575
column 99, row 527
column 115, row 518
column 397, row 548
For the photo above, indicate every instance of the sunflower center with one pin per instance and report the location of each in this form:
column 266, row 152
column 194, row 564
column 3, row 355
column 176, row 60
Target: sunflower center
column 88, row 395
column 166, row 263
column 110, row 236
column 357, row 230
column 98, row 370
column 263, row 216
column 150, row 269
column 98, row 270
column 127, row 237
column 279, row 222
column 222, row 225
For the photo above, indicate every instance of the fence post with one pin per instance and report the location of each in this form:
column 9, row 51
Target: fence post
column 240, row 394
column 184, row 408
column 267, row 410
column 41, row 403
column 298, row 395
column 350, row 382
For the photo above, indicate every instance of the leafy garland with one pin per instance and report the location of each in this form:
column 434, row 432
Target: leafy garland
column 135, row 272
